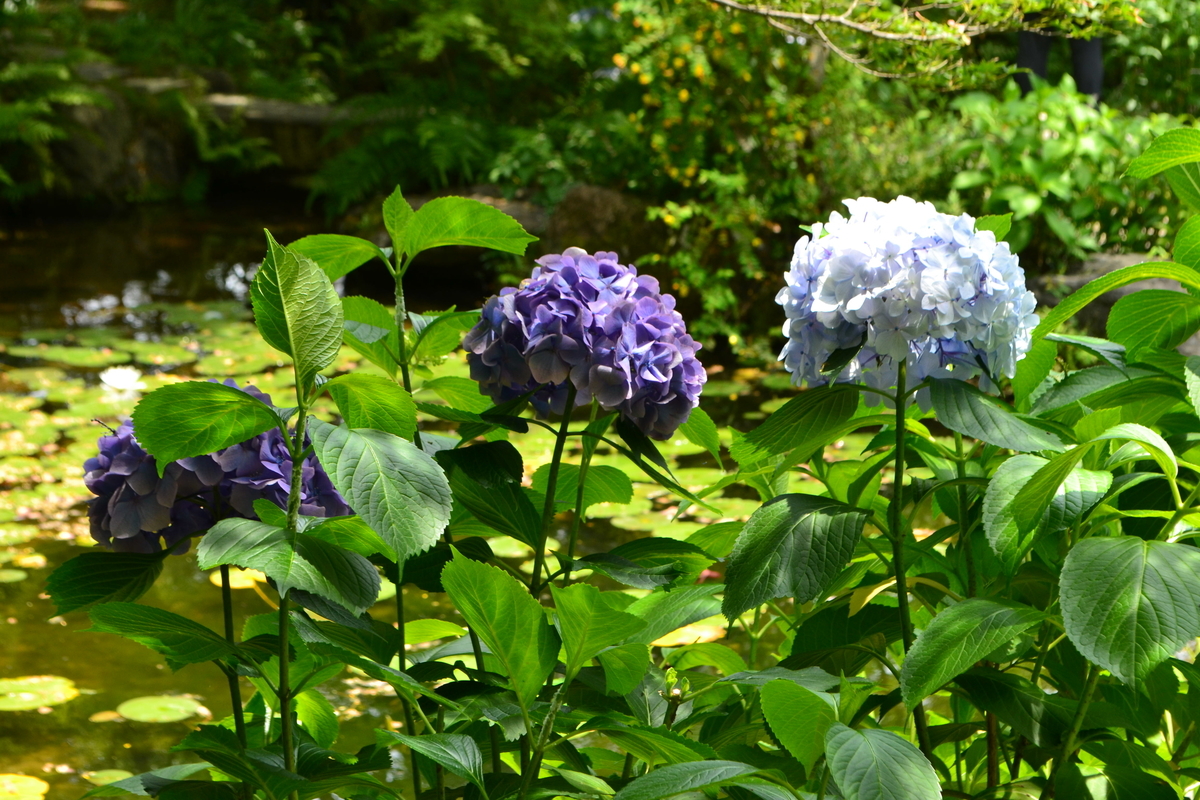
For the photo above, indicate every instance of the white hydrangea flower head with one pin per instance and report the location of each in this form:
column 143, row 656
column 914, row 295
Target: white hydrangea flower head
column 910, row 284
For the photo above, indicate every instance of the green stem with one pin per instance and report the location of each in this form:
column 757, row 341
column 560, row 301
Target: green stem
column 410, row 727
column 293, row 524
column 235, row 689
column 577, row 520
column 1069, row 746
column 402, row 343
column 539, row 749
column 964, row 531
column 993, row 750
column 560, row 440
column 895, row 523
column 493, row 734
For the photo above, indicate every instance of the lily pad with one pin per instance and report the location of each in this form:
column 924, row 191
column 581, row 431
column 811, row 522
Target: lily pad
column 12, row 575
column 103, row 777
column 158, row 353
column 158, row 709
column 35, row 691
column 238, row 578
column 22, row 787
column 71, row 356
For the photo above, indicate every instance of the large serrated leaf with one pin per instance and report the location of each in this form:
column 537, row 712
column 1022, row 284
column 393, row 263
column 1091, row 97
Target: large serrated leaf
column 1153, row 318
column 103, row 577
column 398, row 490
column 676, row 779
column 448, row 221
column 297, row 310
column 878, row 765
column 336, row 254
column 589, row 624
column 370, row 329
column 1128, row 604
column 1175, row 147
column 195, row 418
column 179, row 639
column 799, row 718
column 804, row 423
column 958, row 637
column 455, row 752
column 371, row 401
column 963, row 408
column 793, row 546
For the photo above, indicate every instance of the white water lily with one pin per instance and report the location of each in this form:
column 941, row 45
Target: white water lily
column 911, row 284
column 122, row 379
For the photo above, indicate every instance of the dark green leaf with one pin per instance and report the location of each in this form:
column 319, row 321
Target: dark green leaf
column 1040, row 717
column 103, row 577
column 461, row 221
column 665, row 612
column 963, row 408
column 398, row 490
column 700, row 430
column 658, row 745
column 177, row 638
column 195, row 418
column 297, row 310
column 839, row 358
column 371, row 330
column 814, row 678
column 292, row 560
column 637, row 442
column 370, row 401
column 1111, row 352
column 676, row 779
column 508, row 620
column 1032, row 370
column 624, row 666
column 504, row 506
column 1128, row 604
column 958, row 637
column 455, row 752
column 155, row 779
column 442, row 334
column 335, row 253
column 793, row 546
column 878, row 765
column 804, row 423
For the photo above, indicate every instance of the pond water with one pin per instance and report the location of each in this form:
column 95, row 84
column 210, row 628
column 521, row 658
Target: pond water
column 161, row 289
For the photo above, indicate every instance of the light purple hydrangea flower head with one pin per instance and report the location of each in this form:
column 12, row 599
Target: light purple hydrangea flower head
column 588, row 321
column 912, row 286
column 136, row 511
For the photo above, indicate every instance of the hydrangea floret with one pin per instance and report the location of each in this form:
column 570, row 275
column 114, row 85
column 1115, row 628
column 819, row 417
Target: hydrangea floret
column 136, row 511
column 910, row 285
column 588, row 321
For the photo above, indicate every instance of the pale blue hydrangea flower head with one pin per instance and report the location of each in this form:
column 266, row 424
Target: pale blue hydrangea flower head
column 911, row 285
column 586, row 320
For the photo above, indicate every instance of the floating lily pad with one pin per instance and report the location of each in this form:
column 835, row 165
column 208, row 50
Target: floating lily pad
column 106, row 716
column 159, row 353
column 158, row 709
column 22, row 787
column 238, row 578
column 35, row 691
column 103, row 777
column 12, row 575
column 18, row 534
column 72, row 356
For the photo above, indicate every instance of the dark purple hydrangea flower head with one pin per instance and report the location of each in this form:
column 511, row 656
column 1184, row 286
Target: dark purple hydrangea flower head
column 136, row 511
column 591, row 321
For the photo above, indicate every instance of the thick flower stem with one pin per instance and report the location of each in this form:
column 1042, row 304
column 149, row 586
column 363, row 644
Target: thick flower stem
column 293, row 524
column 577, row 519
column 235, row 689
column 897, row 528
column 539, row 748
column 964, row 531
column 560, row 441
column 1069, row 743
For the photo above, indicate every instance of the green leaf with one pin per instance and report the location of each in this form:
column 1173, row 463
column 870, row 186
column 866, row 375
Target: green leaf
column 370, row 329
column 804, row 423
column 588, row 624
column 1191, row 375
column 1185, row 181
column 624, row 666
column 442, row 335
column 398, row 490
column 397, row 213
column 503, row 506
column 335, row 253
column 317, row 717
column 1128, row 604
column 799, row 718
column 455, row 752
column 1032, row 370
column 1153, row 318
column 142, row 784
column 666, row 612
column 349, row 533
column 103, row 577
column 793, row 546
column 1175, row 147
column 958, row 637
column 448, row 221
column 878, row 765
column 999, row 224
column 256, row 767
column 293, row 561
column 602, row 484
column 195, row 418
column 1071, row 304
column 814, row 678
column 1103, row 349
column 676, row 779
column 371, row 401
column 963, row 408
column 177, row 638
column 707, row 654
column 459, row 393
column 1078, row 492
column 508, row 620
column 297, row 310
column 1040, row 717
column 700, row 430
column 1187, row 243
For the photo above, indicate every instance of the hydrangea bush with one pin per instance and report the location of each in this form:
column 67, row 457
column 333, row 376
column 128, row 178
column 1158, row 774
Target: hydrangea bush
column 992, row 599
